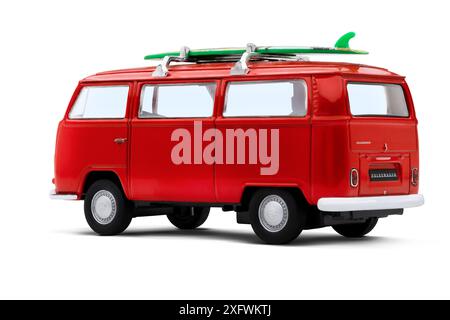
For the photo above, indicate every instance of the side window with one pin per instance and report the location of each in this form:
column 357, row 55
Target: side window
column 177, row 101
column 369, row 99
column 264, row 98
column 107, row 102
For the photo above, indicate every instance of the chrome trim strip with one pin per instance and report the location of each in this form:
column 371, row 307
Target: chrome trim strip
column 55, row 196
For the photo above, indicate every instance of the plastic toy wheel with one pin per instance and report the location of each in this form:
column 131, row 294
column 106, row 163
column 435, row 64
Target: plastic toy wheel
column 275, row 216
column 356, row 230
column 106, row 209
column 188, row 217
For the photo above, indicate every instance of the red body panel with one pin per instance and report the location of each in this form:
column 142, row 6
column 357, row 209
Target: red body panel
column 294, row 152
column 317, row 152
column 84, row 146
column 153, row 175
column 89, row 147
column 385, row 143
column 331, row 159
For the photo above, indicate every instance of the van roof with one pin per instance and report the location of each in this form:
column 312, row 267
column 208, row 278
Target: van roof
column 257, row 68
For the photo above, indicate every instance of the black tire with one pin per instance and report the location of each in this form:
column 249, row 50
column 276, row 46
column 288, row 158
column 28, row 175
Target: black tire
column 188, row 217
column 114, row 223
column 356, row 230
column 292, row 219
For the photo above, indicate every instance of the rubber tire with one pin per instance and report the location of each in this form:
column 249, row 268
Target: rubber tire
column 182, row 217
column 295, row 223
column 123, row 216
column 356, row 230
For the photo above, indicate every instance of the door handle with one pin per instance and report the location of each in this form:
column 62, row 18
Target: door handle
column 120, row 140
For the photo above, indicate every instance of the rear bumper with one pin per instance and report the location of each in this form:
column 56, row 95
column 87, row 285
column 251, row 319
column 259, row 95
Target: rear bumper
column 59, row 196
column 370, row 203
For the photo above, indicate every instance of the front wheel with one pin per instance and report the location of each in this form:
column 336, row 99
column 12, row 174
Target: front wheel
column 188, row 217
column 106, row 209
column 356, row 230
column 275, row 216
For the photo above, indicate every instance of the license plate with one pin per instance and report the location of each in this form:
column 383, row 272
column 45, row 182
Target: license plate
column 383, row 175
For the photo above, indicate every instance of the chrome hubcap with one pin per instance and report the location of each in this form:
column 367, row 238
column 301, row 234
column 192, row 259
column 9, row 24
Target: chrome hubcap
column 273, row 213
column 103, row 207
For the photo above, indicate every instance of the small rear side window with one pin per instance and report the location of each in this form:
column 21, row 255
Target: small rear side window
column 370, row 99
column 95, row 102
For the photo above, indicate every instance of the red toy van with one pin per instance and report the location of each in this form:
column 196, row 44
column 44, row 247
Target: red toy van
column 287, row 143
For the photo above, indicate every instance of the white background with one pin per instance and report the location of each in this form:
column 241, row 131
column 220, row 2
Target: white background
column 47, row 249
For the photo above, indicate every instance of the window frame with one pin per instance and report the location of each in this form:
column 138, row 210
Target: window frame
column 187, row 82
column 83, row 85
column 380, row 83
column 266, row 80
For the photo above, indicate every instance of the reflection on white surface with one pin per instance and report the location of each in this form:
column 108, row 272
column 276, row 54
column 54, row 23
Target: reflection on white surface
column 177, row 101
column 281, row 98
column 377, row 99
column 100, row 103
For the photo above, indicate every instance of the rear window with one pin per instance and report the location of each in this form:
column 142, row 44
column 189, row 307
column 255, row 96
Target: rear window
column 369, row 99
column 95, row 102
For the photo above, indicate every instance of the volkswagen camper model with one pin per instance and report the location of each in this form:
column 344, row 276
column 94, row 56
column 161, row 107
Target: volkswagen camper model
column 287, row 143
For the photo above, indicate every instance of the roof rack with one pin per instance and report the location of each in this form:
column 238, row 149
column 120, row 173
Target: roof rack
column 163, row 68
column 241, row 56
column 241, row 66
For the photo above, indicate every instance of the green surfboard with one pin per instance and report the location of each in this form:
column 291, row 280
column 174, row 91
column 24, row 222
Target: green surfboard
column 341, row 47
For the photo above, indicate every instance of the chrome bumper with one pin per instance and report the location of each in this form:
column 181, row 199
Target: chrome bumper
column 370, row 203
column 58, row 196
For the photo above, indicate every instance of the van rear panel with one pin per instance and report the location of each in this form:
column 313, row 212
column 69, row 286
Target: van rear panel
column 386, row 145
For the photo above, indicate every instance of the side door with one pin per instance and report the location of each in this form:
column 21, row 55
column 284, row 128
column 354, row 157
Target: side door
column 167, row 142
column 265, row 125
column 94, row 132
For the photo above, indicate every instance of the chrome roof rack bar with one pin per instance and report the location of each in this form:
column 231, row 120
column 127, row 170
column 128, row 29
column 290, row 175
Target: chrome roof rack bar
column 241, row 67
column 163, row 68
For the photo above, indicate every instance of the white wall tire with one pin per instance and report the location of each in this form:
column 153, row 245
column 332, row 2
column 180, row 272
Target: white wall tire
column 273, row 213
column 275, row 216
column 103, row 207
column 106, row 209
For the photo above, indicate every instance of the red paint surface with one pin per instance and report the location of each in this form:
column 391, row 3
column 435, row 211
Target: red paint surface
column 317, row 152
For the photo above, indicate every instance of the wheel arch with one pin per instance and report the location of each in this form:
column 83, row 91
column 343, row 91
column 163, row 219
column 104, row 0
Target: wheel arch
column 95, row 175
column 248, row 192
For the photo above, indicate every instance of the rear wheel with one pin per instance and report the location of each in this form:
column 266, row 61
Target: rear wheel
column 188, row 217
column 356, row 230
column 275, row 216
column 106, row 209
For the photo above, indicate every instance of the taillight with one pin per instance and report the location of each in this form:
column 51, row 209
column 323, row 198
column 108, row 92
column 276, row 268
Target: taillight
column 414, row 176
column 354, row 178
